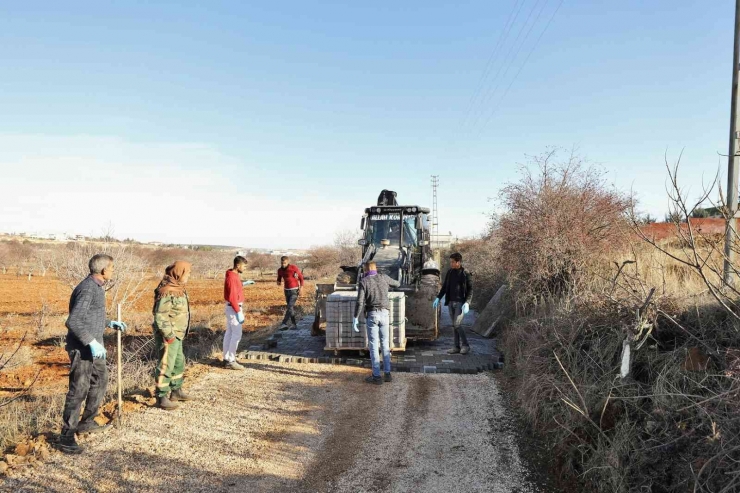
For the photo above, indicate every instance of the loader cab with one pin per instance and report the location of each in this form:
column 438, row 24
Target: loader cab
column 397, row 239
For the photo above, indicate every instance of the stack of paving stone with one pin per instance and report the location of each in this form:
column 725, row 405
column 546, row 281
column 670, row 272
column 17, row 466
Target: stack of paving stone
column 340, row 309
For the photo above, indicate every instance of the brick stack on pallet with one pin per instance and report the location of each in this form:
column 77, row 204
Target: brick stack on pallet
column 340, row 309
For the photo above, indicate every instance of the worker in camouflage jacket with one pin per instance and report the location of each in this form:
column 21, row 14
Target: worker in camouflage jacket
column 171, row 323
column 457, row 289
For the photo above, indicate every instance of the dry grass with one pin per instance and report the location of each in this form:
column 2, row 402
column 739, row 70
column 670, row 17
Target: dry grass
column 664, row 427
column 671, row 425
column 30, row 416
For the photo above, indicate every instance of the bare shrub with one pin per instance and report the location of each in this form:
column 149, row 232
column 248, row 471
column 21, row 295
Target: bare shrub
column 71, row 266
column 349, row 252
column 13, row 253
column 700, row 253
column 671, row 423
column 211, row 264
column 481, row 257
column 28, row 417
column 138, row 361
column 21, row 357
column 262, row 262
column 560, row 220
column 323, row 262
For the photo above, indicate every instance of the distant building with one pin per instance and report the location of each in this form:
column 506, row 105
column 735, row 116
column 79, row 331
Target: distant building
column 442, row 241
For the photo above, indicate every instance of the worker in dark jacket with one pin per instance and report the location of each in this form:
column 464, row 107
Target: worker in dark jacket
column 171, row 323
column 372, row 302
column 457, row 289
column 88, row 375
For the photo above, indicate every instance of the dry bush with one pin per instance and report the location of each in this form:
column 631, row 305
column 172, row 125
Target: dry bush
column 323, row 262
column 481, row 259
column 29, row 416
column 13, row 253
column 262, row 262
column 559, row 222
column 349, row 252
column 20, row 357
column 671, row 424
column 211, row 263
column 71, row 266
column 653, row 431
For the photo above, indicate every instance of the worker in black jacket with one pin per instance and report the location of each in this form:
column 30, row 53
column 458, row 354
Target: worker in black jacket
column 457, row 289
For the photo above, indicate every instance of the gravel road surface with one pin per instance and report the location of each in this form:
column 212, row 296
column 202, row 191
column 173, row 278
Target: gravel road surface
column 300, row 427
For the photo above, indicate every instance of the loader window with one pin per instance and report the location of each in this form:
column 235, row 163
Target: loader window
column 382, row 228
column 409, row 231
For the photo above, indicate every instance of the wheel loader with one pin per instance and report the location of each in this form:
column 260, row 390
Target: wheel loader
column 397, row 238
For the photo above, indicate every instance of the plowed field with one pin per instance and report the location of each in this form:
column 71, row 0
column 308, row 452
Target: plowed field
column 33, row 312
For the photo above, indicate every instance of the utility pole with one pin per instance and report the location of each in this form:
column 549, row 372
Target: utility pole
column 732, row 164
column 435, row 211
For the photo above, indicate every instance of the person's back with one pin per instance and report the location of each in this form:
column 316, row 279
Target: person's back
column 372, row 302
column 86, row 319
column 375, row 289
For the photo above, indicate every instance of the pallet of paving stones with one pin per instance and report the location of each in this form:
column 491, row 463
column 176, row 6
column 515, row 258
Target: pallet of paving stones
column 340, row 335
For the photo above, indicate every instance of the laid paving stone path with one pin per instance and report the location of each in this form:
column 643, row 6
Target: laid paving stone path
column 299, row 346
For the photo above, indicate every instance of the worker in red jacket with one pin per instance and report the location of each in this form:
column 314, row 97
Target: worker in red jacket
column 293, row 282
column 234, row 297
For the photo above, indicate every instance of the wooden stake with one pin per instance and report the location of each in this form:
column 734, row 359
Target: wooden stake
column 120, row 398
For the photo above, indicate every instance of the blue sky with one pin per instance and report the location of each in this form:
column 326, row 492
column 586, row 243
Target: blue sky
column 275, row 124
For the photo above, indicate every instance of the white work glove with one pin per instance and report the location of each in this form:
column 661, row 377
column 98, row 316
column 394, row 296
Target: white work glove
column 240, row 317
column 355, row 323
column 465, row 308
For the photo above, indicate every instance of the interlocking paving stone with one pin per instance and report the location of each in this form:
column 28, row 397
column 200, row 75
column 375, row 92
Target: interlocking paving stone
column 298, row 346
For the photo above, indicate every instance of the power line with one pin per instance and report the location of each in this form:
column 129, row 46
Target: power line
column 503, row 96
column 509, row 61
column 487, row 70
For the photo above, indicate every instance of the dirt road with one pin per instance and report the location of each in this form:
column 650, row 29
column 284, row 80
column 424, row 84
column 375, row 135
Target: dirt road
column 298, row 427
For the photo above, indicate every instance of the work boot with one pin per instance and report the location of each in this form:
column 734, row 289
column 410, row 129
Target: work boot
column 179, row 395
column 454, row 350
column 68, row 445
column 465, row 350
column 165, row 403
column 374, row 380
column 233, row 365
column 388, row 377
column 284, row 327
column 294, row 327
column 91, row 427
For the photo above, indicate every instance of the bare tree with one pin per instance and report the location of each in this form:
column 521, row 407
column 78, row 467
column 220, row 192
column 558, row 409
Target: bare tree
column 6, row 361
column 348, row 251
column 262, row 262
column 323, row 261
column 71, row 266
column 700, row 252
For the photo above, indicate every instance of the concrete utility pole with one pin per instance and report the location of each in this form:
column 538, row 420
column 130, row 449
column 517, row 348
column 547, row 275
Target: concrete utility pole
column 732, row 164
column 435, row 211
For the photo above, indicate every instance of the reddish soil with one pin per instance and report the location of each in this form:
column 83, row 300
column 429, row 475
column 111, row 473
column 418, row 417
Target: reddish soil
column 22, row 300
column 705, row 227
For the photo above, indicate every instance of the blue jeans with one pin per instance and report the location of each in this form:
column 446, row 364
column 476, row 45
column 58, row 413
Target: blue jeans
column 377, row 325
column 457, row 316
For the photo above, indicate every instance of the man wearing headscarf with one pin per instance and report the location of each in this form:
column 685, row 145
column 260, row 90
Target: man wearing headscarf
column 171, row 323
